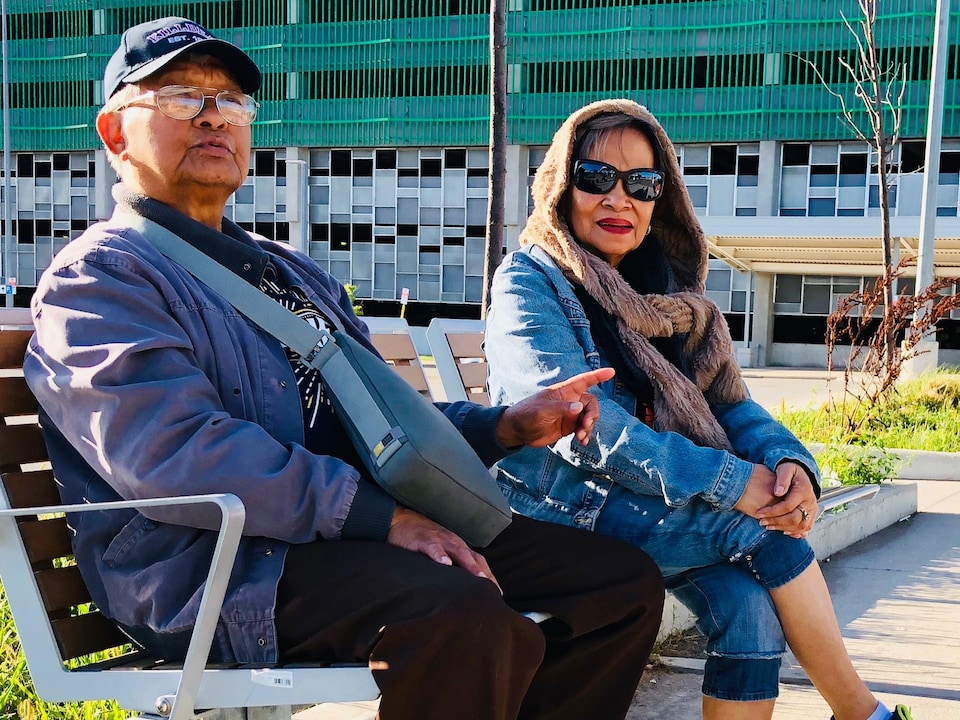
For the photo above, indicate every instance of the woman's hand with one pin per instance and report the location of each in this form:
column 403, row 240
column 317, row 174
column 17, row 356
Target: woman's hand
column 412, row 531
column 759, row 492
column 796, row 510
column 553, row 413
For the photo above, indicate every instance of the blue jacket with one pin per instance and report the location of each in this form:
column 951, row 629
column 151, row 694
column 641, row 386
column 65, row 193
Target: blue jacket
column 538, row 334
column 153, row 385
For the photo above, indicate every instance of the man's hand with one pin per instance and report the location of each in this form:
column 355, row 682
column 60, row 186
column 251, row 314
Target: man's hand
column 796, row 510
column 554, row 412
column 412, row 531
column 759, row 492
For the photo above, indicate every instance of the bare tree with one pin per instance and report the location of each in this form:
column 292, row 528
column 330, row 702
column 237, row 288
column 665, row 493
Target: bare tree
column 854, row 321
column 880, row 89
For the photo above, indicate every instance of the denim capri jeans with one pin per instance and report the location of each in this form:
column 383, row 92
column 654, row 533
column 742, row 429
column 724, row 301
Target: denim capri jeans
column 720, row 564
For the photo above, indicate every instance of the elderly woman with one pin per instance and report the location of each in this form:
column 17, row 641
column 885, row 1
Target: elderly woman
column 681, row 463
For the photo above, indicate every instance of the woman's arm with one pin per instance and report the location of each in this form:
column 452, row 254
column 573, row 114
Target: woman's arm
column 758, row 437
column 531, row 343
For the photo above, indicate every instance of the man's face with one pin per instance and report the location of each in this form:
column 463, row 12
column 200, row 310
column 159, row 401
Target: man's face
column 193, row 165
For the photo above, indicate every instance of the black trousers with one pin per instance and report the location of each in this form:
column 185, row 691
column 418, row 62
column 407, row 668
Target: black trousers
column 445, row 644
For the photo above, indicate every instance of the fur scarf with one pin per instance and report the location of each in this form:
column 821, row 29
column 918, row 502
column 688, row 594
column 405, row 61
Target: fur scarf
column 681, row 405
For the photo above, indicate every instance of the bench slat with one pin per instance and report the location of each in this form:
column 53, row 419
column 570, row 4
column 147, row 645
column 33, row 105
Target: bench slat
column 399, row 351
column 30, row 489
column 46, row 539
column 474, row 375
column 13, row 344
column 395, row 346
column 466, row 345
column 21, row 444
column 62, row 588
column 88, row 633
column 413, row 376
column 16, row 398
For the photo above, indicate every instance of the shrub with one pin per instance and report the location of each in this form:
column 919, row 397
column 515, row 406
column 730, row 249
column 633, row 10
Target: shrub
column 852, row 465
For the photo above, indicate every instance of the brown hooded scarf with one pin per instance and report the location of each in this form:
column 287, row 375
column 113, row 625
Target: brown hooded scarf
column 680, row 405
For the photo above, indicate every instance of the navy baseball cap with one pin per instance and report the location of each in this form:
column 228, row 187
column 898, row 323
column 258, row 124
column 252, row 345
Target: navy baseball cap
column 147, row 47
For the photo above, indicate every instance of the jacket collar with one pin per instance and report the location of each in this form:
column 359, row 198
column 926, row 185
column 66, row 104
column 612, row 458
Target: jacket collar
column 233, row 247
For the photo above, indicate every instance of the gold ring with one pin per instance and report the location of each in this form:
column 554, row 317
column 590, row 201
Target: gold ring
column 803, row 512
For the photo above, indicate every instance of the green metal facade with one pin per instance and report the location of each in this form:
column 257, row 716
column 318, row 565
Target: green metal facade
column 375, row 73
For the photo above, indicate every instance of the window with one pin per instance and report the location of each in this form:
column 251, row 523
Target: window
column 795, row 154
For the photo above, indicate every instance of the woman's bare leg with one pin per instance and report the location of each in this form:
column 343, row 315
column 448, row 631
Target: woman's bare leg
column 714, row 709
column 810, row 626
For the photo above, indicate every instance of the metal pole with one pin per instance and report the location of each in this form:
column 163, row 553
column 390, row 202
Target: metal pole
column 9, row 256
column 498, row 147
column 931, row 163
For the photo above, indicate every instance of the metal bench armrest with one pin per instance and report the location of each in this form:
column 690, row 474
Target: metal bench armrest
column 836, row 496
column 232, row 517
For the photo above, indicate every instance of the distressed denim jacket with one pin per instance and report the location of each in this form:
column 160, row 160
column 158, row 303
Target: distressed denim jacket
column 151, row 384
column 538, row 334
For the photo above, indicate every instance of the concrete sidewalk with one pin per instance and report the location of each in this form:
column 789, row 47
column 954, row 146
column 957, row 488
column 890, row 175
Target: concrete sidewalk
column 897, row 597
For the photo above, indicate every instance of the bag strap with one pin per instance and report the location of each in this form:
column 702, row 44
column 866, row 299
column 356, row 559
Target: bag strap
column 301, row 337
column 316, row 348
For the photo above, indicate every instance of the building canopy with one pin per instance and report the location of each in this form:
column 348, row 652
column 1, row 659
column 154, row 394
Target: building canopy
column 827, row 246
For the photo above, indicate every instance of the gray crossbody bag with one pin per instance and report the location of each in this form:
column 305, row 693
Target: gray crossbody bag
column 407, row 445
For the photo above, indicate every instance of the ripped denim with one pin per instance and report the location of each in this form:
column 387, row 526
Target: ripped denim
column 721, row 565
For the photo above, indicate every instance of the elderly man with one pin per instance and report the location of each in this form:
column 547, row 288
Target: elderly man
column 151, row 384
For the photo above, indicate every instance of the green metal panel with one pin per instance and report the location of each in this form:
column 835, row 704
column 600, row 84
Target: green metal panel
column 342, row 73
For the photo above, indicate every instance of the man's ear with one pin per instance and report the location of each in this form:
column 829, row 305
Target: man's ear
column 110, row 130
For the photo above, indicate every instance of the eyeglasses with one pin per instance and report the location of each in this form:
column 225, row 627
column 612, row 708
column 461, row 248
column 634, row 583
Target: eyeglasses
column 183, row 102
column 599, row 178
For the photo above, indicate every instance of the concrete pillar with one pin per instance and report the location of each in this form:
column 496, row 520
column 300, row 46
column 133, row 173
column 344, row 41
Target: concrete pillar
column 293, row 12
column 298, row 215
column 926, row 359
column 762, row 332
column 515, row 195
column 768, row 180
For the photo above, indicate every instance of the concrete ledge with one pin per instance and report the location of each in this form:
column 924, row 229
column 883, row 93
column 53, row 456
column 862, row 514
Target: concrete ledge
column 832, row 533
column 926, row 465
column 16, row 318
column 919, row 464
column 836, row 531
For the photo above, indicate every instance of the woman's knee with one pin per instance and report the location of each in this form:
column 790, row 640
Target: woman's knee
column 778, row 559
column 734, row 612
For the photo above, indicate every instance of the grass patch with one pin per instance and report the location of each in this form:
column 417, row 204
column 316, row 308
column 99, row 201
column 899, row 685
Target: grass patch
column 920, row 414
column 19, row 700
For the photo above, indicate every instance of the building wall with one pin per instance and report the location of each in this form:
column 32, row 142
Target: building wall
column 370, row 148
column 386, row 73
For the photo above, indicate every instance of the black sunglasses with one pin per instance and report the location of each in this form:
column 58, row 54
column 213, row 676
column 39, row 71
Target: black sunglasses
column 598, row 178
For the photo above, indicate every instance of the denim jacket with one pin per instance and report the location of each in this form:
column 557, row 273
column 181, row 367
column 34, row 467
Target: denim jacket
column 538, row 334
column 152, row 385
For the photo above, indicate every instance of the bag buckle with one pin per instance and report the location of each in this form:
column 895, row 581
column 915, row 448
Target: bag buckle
column 321, row 343
column 388, row 445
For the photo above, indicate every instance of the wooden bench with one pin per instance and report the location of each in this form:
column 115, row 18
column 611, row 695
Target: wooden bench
column 391, row 337
column 59, row 627
column 457, row 347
